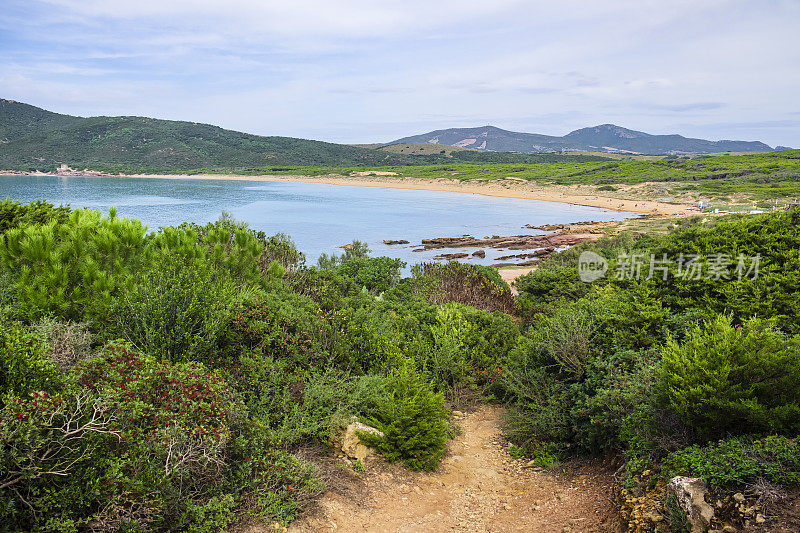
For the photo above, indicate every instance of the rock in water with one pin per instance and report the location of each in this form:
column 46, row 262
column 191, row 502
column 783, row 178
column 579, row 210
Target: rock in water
column 691, row 492
column 352, row 445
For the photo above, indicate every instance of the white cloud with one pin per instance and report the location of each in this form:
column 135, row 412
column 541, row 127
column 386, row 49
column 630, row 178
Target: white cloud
column 357, row 70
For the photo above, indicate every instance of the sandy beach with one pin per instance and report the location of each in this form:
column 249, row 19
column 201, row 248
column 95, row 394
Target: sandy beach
column 498, row 188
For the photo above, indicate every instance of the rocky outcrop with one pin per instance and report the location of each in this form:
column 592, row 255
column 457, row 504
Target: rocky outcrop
column 530, row 263
column 690, row 493
column 660, row 508
column 479, row 253
column 515, row 242
column 544, row 252
column 450, row 257
column 390, row 242
column 351, row 444
column 643, row 513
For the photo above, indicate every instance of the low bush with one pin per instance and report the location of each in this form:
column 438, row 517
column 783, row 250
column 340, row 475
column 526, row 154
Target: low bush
column 74, row 269
column 354, row 250
column 376, row 274
column 24, row 363
column 14, row 214
column 174, row 312
column 413, row 420
column 57, row 471
column 137, row 443
column 67, row 343
column 726, row 379
column 545, row 287
column 478, row 286
column 597, row 413
column 453, row 355
column 738, row 461
column 279, row 325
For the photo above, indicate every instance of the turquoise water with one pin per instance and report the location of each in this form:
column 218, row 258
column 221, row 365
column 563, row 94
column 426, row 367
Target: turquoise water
column 319, row 217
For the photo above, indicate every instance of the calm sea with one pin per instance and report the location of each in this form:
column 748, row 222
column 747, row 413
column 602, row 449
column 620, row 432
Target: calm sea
column 318, row 217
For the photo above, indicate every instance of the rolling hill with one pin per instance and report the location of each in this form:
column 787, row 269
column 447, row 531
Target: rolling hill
column 35, row 139
column 603, row 138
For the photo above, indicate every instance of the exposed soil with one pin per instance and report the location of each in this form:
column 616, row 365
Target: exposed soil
column 479, row 487
column 511, row 274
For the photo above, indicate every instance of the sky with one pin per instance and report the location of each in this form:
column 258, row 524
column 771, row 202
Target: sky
column 359, row 71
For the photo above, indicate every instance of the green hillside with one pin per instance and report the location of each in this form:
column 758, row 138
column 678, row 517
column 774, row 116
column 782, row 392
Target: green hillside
column 36, row 139
column 18, row 120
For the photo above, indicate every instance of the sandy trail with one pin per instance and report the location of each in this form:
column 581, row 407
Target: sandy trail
column 509, row 275
column 477, row 488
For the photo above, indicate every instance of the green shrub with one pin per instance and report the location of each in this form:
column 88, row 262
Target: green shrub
column 354, row 250
column 567, row 337
column 14, row 214
column 738, row 461
column 475, row 285
column 727, row 379
column 775, row 293
column 488, row 341
column 279, row 325
column 8, row 295
column 57, row 468
column 607, row 405
column 538, row 407
column 366, row 335
column 468, row 346
column 517, row 452
column 278, row 247
column 450, row 359
column 275, row 484
column 593, row 411
column 75, row 269
column 24, row 364
column 544, row 456
column 174, row 312
column 413, row 420
column 376, row 274
column 209, row 517
column 551, row 285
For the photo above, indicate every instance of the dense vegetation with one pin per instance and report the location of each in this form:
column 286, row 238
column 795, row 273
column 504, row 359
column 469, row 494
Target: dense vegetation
column 168, row 380
column 175, row 380
column 694, row 375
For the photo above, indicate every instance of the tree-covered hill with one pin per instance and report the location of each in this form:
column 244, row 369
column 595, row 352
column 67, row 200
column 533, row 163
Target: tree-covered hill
column 18, row 120
column 36, row 139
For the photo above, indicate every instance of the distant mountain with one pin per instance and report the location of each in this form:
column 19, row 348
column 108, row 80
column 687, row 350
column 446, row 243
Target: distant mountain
column 33, row 138
column 603, row 138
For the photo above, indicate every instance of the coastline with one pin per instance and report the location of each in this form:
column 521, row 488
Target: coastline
column 501, row 188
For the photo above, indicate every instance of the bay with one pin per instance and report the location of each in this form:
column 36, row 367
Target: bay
column 319, row 217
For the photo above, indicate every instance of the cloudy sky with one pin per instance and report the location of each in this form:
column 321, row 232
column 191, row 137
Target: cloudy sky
column 373, row 70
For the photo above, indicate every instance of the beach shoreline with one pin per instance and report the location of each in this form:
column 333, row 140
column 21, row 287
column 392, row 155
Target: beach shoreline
column 500, row 188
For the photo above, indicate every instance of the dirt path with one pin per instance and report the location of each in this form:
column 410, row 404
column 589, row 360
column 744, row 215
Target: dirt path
column 477, row 488
column 510, row 274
